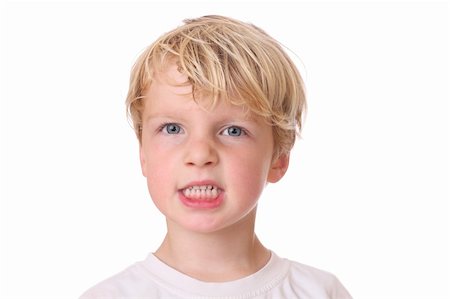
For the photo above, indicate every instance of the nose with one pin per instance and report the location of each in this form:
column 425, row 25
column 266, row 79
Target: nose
column 201, row 152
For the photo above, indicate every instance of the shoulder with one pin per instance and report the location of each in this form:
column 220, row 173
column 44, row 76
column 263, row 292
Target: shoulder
column 319, row 283
column 131, row 282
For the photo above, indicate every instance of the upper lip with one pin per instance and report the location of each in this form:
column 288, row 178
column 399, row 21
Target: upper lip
column 202, row 183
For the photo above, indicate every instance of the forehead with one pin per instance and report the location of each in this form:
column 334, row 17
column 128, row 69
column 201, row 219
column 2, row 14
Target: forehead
column 171, row 91
column 163, row 103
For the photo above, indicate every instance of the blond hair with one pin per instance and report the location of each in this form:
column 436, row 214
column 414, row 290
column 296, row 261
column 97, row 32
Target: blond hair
column 230, row 60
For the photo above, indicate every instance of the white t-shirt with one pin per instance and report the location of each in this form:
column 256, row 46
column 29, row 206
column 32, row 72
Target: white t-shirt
column 279, row 278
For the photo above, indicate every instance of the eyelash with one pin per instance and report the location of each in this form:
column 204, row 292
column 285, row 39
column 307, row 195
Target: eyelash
column 164, row 126
column 243, row 132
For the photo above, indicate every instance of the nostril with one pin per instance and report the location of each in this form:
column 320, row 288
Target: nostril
column 209, row 163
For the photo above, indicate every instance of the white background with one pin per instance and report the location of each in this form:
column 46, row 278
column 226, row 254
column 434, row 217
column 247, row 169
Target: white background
column 367, row 193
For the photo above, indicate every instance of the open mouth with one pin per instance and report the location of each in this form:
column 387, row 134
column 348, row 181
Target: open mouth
column 201, row 192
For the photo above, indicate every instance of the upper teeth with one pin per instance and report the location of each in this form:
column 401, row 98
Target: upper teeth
column 205, row 187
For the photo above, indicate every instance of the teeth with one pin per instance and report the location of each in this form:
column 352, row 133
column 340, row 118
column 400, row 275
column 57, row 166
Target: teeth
column 208, row 187
column 207, row 192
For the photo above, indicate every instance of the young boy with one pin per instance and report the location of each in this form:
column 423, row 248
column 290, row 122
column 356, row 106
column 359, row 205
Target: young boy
column 216, row 105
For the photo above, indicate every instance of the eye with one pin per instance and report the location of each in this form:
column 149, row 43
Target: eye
column 171, row 128
column 233, row 131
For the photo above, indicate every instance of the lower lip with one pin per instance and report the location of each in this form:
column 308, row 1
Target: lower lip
column 201, row 204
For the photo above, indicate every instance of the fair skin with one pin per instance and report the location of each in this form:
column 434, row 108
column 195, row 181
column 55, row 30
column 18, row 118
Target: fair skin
column 210, row 232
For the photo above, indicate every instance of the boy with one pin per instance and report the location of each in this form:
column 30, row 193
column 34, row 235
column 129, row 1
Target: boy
column 216, row 105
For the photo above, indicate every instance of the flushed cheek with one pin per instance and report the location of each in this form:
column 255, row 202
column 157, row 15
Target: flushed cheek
column 160, row 175
column 248, row 178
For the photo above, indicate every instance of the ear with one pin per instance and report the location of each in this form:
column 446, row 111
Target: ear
column 143, row 160
column 278, row 168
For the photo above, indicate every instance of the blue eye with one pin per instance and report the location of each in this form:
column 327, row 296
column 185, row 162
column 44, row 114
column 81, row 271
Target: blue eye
column 233, row 131
column 171, row 128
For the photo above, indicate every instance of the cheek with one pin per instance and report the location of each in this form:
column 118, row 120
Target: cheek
column 249, row 175
column 155, row 178
column 159, row 168
column 158, row 156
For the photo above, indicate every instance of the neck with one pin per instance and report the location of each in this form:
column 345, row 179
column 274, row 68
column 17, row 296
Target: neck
column 223, row 255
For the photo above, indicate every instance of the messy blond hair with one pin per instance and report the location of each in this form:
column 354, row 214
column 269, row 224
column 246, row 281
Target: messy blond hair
column 229, row 60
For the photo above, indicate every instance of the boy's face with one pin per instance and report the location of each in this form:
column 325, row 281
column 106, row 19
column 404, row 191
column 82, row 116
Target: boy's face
column 205, row 169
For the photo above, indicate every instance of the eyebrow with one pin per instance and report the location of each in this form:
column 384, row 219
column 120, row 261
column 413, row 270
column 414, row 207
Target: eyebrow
column 163, row 115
